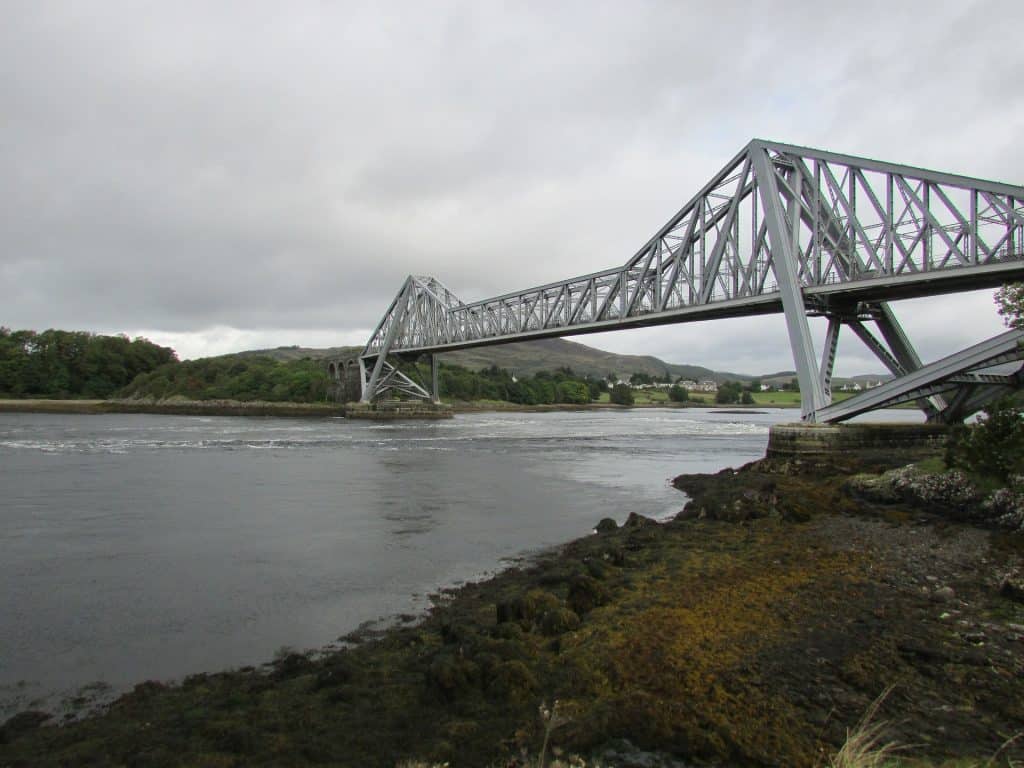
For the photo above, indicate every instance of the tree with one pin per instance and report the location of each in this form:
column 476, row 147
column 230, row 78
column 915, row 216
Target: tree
column 746, row 398
column 596, row 388
column 639, row 378
column 621, row 394
column 1010, row 303
column 58, row 363
column 729, row 392
column 994, row 446
column 678, row 394
column 575, row 392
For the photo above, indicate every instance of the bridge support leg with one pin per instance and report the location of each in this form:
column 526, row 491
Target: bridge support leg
column 900, row 357
column 435, row 380
column 363, row 396
column 399, row 306
column 901, row 347
column 784, row 259
column 828, row 355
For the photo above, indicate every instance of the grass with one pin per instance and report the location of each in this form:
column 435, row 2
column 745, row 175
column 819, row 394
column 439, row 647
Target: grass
column 865, row 746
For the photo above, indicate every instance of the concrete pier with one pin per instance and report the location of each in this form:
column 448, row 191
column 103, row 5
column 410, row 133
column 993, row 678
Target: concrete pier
column 805, row 440
column 388, row 410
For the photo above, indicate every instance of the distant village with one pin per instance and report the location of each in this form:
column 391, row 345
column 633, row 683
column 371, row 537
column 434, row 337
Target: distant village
column 711, row 386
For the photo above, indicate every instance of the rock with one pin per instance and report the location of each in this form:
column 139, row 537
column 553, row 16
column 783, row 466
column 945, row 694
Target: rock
column 624, row 754
column 1005, row 507
column 1012, row 586
column 21, row 723
column 606, row 525
column 944, row 595
column 949, row 491
column 637, row 521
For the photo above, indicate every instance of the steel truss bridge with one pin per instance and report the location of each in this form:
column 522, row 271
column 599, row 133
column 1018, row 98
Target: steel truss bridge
column 780, row 228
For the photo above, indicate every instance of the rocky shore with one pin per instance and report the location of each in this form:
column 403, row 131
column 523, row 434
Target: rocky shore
column 755, row 629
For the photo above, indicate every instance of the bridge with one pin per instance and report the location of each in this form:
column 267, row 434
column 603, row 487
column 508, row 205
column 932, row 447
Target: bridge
column 780, row 229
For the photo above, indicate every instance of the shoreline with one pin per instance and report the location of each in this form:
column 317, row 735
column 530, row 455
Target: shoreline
column 755, row 628
column 173, row 407
column 322, row 410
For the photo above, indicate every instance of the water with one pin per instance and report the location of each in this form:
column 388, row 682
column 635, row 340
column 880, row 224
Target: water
column 140, row 547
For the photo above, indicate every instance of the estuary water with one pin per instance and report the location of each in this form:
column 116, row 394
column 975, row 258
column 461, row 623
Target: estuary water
column 138, row 547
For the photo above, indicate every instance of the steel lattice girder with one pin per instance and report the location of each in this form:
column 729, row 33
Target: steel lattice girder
column 779, row 228
column 964, row 368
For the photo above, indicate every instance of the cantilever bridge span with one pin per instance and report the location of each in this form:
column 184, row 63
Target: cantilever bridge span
column 780, row 229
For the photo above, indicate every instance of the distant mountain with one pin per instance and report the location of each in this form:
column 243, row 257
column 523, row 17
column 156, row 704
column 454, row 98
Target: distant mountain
column 784, row 377
column 285, row 354
column 525, row 358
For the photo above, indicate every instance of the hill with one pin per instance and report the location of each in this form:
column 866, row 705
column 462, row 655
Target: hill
column 526, row 358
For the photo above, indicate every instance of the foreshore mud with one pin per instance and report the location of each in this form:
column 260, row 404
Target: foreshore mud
column 755, row 629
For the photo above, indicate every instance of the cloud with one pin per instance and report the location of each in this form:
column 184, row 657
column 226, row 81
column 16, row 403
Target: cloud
column 225, row 173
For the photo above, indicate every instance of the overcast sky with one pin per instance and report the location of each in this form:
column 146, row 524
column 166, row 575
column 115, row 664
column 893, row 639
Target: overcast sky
column 231, row 175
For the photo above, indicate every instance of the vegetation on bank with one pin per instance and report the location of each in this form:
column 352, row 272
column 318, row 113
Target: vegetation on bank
column 58, row 365
column 239, row 378
column 543, row 388
column 73, row 364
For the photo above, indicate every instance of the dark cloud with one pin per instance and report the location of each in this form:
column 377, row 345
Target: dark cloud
column 223, row 173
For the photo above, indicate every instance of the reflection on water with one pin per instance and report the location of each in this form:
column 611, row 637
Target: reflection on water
column 136, row 547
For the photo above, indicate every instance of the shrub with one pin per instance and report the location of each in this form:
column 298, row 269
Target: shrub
column 993, row 447
column 621, row 394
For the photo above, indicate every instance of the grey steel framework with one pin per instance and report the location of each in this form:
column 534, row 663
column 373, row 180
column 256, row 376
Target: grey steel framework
column 779, row 229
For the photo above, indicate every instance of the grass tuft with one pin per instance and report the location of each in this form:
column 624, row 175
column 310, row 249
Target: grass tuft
column 865, row 746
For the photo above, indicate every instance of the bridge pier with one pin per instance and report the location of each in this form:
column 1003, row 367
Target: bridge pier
column 804, row 441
